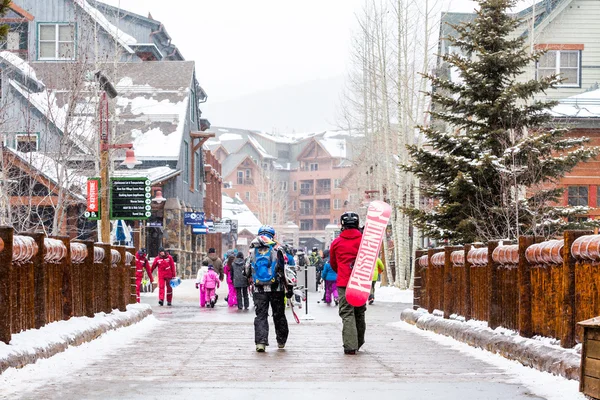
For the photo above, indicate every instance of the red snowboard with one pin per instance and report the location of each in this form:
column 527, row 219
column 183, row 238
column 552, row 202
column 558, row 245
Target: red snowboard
column 359, row 285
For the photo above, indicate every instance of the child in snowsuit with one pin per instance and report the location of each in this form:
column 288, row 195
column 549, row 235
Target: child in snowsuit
column 141, row 264
column 211, row 283
column 231, row 296
column 199, row 285
column 329, row 276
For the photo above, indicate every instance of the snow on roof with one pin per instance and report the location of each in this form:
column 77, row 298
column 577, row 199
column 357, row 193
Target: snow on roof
column 231, row 163
column 121, row 37
column 583, row 105
column 22, row 66
column 234, row 208
column 69, row 179
column 335, row 147
column 230, row 136
column 261, row 150
column 155, row 174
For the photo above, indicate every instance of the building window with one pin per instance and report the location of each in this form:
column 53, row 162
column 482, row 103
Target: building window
column 337, row 183
column 567, row 63
column 26, row 143
column 274, row 218
column 295, row 205
column 314, row 166
column 295, row 186
column 284, row 186
column 261, row 196
column 56, row 41
column 306, row 225
column 337, row 204
column 240, row 177
column 186, row 160
column 578, row 196
column 247, row 196
column 197, row 171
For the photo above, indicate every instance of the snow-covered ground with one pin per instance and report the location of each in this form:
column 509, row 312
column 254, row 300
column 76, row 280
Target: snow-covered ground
column 392, row 294
column 542, row 384
column 28, row 341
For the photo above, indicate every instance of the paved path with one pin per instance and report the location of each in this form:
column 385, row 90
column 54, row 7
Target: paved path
column 209, row 354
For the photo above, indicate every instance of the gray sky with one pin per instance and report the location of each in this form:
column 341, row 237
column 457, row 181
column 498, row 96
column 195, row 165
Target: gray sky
column 246, row 46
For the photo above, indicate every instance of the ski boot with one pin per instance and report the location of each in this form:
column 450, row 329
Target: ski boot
column 169, row 303
column 212, row 304
column 160, row 303
column 281, row 345
column 260, row 347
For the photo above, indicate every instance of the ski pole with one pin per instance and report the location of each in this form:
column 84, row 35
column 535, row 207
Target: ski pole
column 306, row 287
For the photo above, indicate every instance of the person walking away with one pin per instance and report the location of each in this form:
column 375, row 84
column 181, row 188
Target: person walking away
column 330, row 277
column 166, row 271
column 211, row 282
column 379, row 267
column 215, row 261
column 342, row 255
column 240, row 281
column 266, row 266
column 228, row 269
column 199, row 285
column 141, row 264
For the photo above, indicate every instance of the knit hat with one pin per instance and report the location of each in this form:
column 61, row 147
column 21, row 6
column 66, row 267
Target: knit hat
column 211, row 250
column 240, row 255
column 210, row 266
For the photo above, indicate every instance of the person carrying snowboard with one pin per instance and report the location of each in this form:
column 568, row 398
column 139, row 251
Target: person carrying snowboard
column 211, row 282
column 266, row 265
column 166, row 271
column 141, row 264
column 342, row 255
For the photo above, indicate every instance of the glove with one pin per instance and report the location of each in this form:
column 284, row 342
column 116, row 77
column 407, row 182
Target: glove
column 289, row 294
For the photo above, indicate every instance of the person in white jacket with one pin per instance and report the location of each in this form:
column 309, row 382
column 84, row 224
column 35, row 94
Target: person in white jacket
column 199, row 278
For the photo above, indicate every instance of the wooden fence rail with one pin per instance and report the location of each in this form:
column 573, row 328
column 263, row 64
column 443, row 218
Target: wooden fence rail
column 534, row 287
column 43, row 280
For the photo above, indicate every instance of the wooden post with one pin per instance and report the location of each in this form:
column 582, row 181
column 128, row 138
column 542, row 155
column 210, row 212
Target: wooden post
column 567, row 335
column 104, row 287
column 41, row 290
column 468, row 299
column 524, row 279
column 449, row 287
column 37, row 261
column 6, row 240
column 88, row 276
column 494, row 287
column 418, row 281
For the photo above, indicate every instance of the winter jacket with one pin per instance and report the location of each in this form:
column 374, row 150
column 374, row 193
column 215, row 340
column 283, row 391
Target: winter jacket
column 342, row 254
column 200, row 275
column 240, row 274
column 211, row 280
column 379, row 267
column 216, row 262
column 141, row 263
column 229, row 272
column 166, row 266
column 328, row 273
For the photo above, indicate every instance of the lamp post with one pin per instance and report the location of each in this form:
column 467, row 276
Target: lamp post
column 108, row 90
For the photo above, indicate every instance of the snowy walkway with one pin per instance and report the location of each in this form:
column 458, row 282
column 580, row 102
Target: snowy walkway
column 187, row 353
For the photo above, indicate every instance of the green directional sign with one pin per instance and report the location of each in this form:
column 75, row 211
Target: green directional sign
column 130, row 198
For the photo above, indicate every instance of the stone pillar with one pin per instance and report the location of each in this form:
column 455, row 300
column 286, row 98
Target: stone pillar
column 173, row 229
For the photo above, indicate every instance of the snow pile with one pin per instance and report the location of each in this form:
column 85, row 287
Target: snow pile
column 584, row 105
column 123, row 38
column 551, row 387
column 391, row 294
column 27, row 344
column 234, row 208
column 22, row 65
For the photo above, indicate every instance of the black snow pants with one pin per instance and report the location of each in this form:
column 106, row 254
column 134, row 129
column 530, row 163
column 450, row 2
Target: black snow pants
column 242, row 297
column 261, row 324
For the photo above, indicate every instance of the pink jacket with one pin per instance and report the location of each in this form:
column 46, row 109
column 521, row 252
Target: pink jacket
column 211, row 280
column 228, row 271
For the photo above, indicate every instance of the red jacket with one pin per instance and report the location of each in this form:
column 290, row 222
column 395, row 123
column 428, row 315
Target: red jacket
column 141, row 263
column 166, row 266
column 342, row 254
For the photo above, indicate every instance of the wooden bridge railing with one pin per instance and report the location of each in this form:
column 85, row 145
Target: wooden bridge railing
column 43, row 280
column 534, row 287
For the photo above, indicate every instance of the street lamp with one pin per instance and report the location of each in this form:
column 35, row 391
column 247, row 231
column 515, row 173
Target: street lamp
column 108, row 90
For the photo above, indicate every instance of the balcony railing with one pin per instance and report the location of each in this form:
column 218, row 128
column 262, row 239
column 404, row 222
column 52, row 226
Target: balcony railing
column 306, row 192
column 324, row 190
column 248, row 181
column 306, row 211
column 323, row 211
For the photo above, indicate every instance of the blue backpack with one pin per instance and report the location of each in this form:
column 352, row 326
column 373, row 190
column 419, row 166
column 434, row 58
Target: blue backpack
column 265, row 266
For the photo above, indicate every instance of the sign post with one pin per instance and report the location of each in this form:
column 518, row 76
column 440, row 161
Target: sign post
column 94, row 209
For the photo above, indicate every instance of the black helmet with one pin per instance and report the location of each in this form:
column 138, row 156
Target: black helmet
column 315, row 249
column 349, row 220
column 161, row 249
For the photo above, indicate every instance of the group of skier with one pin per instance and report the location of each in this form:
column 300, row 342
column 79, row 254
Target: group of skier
column 266, row 273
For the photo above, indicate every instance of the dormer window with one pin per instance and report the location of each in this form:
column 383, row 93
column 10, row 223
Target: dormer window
column 564, row 60
column 56, row 41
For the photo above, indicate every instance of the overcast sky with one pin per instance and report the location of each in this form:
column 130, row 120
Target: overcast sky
column 245, row 46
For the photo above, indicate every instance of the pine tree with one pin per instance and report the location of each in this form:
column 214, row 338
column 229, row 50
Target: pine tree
column 491, row 158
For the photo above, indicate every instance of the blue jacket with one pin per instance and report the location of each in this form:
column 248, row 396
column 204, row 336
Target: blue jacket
column 328, row 273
